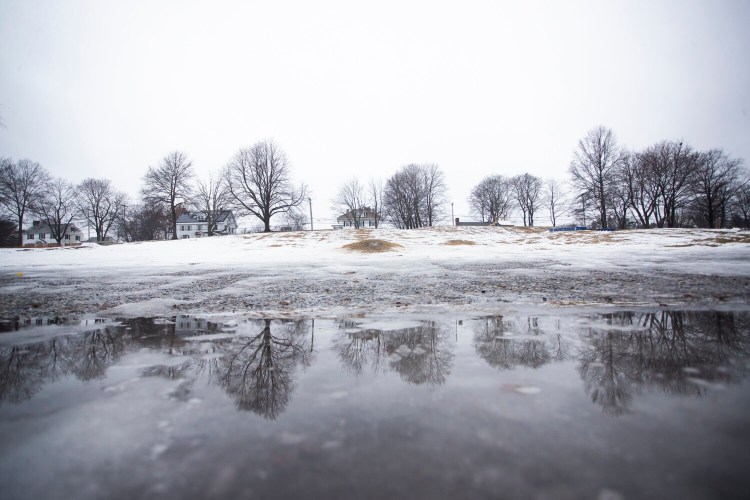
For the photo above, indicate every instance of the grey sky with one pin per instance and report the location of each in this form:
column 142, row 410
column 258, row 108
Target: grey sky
column 105, row 89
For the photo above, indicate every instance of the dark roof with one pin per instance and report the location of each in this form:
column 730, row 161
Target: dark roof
column 196, row 217
column 44, row 229
column 368, row 214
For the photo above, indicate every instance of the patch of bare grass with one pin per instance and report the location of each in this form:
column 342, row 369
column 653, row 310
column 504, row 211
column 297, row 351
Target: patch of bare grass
column 740, row 238
column 716, row 241
column 459, row 242
column 372, row 246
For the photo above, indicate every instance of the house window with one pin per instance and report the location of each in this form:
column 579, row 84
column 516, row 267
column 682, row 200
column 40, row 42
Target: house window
column 67, row 237
column 43, row 236
column 78, row 238
column 29, row 236
column 185, row 236
column 187, row 228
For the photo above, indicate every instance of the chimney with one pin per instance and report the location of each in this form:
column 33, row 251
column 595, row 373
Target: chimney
column 457, row 221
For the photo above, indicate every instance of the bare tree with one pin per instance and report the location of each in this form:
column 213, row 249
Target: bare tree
column 618, row 198
column 672, row 166
column 143, row 222
column 594, row 166
column 527, row 189
column 22, row 186
column 350, row 201
column 491, row 198
column 169, row 184
column 741, row 205
column 376, row 199
column 434, row 193
column 100, row 204
column 212, row 196
column 414, row 196
column 58, row 208
column 715, row 186
column 555, row 199
column 641, row 185
column 295, row 219
column 258, row 181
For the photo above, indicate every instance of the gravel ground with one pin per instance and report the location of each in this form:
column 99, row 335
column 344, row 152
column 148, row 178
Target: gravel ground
column 481, row 287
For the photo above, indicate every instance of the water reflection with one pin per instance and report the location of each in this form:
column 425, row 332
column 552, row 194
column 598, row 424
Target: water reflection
column 419, row 354
column 674, row 351
column 25, row 369
column 258, row 371
column 505, row 343
column 256, row 362
column 255, row 368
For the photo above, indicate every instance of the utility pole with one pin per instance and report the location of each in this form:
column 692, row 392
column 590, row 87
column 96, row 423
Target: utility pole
column 309, row 200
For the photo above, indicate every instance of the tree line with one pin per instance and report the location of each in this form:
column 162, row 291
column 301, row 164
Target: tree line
column 255, row 182
column 668, row 184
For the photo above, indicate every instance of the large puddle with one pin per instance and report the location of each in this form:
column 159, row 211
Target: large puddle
column 619, row 405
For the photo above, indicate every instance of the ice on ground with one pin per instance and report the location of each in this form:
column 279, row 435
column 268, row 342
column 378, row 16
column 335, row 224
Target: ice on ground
column 151, row 307
column 305, row 271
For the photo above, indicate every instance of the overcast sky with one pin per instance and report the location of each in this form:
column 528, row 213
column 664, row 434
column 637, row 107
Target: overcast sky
column 105, row 89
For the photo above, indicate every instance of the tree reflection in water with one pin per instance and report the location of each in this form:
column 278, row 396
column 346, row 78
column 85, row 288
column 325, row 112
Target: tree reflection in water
column 94, row 353
column 677, row 352
column 258, row 371
column 23, row 372
column 617, row 355
column 506, row 343
column 25, row 369
column 420, row 354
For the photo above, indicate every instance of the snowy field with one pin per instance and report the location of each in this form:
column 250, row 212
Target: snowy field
column 346, row 363
column 331, row 272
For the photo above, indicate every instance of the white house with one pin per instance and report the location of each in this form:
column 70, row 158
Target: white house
column 359, row 218
column 195, row 224
column 40, row 235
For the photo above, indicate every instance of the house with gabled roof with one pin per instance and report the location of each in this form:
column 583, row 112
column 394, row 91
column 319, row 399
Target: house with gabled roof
column 359, row 218
column 196, row 224
column 41, row 235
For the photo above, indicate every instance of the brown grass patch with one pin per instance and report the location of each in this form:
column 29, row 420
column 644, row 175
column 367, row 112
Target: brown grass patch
column 739, row 238
column 372, row 246
column 715, row 242
column 459, row 242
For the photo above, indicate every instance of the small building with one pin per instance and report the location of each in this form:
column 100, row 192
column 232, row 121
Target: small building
column 496, row 223
column 357, row 219
column 40, row 235
column 195, row 224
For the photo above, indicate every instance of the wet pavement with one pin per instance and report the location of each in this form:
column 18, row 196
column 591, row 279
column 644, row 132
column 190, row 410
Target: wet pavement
column 603, row 405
